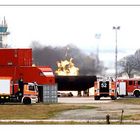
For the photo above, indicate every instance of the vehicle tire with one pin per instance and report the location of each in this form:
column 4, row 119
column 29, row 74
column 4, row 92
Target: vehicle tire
column 122, row 96
column 113, row 98
column 2, row 102
column 97, row 97
column 26, row 101
column 136, row 93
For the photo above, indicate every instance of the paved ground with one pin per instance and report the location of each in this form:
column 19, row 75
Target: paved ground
column 104, row 106
column 82, row 100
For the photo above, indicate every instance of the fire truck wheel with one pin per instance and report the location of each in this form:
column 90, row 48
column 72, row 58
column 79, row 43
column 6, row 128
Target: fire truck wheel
column 97, row 97
column 27, row 100
column 113, row 97
column 136, row 93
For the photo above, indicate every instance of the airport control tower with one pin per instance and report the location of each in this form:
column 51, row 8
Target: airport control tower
column 3, row 34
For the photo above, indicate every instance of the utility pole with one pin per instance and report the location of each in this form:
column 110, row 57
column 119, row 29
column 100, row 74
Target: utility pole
column 97, row 36
column 116, row 51
column 116, row 55
column 66, row 54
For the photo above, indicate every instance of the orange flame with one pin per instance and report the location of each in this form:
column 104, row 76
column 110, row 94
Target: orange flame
column 67, row 68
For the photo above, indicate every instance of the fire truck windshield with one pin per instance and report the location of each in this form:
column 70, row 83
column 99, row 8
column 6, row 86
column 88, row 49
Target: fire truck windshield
column 104, row 86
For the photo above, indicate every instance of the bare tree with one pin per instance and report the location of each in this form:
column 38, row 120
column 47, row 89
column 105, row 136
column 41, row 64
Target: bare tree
column 128, row 64
column 137, row 57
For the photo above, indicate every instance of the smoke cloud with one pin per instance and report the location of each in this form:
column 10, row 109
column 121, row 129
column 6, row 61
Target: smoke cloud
column 49, row 55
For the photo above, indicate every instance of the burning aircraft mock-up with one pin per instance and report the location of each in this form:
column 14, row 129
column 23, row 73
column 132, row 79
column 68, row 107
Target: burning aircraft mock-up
column 67, row 68
column 68, row 77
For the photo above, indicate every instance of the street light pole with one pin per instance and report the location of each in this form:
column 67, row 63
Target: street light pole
column 116, row 51
column 98, row 36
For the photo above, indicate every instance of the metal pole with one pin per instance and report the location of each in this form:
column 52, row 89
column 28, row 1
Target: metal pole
column 107, row 119
column 116, row 52
column 121, row 116
column 97, row 36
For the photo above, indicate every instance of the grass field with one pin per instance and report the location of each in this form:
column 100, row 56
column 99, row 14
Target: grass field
column 36, row 111
column 134, row 101
column 129, row 101
column 42, row 111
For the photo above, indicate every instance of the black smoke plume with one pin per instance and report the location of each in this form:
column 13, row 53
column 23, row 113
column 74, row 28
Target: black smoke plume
column 88, row 64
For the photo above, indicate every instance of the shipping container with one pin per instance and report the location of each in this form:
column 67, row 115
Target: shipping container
column 37, row 74
column 17, row 63
column 40, row 75
column 15, row 57
column 50, row 94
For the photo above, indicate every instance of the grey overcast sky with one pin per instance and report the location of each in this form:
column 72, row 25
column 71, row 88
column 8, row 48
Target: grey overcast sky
column 62, row 25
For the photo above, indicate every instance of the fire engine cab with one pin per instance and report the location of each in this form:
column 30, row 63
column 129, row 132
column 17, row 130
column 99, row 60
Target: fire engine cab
column 104, row 88
column 26, row 93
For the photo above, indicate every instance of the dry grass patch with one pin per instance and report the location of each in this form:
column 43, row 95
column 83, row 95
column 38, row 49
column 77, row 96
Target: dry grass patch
column 132, row 117
column 36, row 111
column 128, row 100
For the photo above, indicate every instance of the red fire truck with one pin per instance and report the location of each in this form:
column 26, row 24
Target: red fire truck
column 121, row 88
column 104, row 88
column 26, row 93
column 128, row 87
